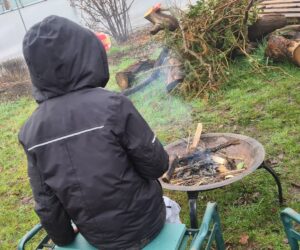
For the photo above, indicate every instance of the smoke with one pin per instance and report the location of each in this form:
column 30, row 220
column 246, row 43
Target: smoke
column 168, row 115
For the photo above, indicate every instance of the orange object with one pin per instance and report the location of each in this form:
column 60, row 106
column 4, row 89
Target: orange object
column 157, row 7
column 105, row 39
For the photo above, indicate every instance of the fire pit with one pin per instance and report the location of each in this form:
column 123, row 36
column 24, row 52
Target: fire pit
column 245, row 150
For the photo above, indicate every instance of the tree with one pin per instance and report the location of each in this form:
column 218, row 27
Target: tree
column 111, row 15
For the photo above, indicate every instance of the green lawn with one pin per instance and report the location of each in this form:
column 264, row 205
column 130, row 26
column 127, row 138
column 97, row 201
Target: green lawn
column 263, row 104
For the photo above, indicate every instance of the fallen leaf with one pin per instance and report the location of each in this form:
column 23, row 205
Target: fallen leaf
column 228, row 177
column 286, row 241
column 240, row 166
column 274, row 161
column 26, row 200
column 281, row 156
column 256, row 195
column 244, row 239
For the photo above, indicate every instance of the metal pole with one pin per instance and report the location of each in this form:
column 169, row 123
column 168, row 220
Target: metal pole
column 277, row 180
column 193, row 196
column 20, row 14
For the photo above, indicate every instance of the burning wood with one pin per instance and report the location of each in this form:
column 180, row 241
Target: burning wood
column 203, row 166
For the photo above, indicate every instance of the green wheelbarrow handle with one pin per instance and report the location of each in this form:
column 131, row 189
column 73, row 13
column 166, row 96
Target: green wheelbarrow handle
column 29, row 236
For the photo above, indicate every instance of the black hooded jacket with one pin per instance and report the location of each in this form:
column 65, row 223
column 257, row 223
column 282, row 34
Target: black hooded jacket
column 91, row 156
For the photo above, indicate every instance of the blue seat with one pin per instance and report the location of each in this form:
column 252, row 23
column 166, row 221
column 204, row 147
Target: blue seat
column 171, row 237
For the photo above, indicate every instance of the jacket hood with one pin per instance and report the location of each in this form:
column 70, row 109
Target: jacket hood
column 62, row 57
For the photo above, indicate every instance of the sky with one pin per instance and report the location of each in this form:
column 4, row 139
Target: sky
column 12, row 29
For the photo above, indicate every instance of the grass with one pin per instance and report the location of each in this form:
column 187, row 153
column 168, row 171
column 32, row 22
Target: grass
column 263, row 104
column 16, row 213
column 112, row 84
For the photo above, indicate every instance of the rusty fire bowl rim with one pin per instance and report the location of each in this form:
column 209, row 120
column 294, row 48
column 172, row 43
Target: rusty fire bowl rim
column 256, row 164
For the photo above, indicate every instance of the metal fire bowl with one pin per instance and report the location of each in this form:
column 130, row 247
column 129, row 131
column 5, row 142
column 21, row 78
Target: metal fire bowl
column 250, row 150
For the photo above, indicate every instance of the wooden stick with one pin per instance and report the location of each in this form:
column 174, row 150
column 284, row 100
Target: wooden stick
column 188, row 144
column 219, row 160
column 222, row 146
column 197, row 136
column 181, row 169
column 173, row 163
column 178, row 182
column 231, row 157
column 232, row 172
column 222, row 169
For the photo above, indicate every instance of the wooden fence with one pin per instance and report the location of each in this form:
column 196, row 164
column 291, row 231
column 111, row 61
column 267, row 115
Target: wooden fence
column 289, row 8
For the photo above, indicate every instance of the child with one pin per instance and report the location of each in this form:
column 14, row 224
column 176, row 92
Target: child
column 91, row 156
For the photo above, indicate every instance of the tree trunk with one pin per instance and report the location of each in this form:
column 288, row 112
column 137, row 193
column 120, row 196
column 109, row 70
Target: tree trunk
column 265, row 25
column 281, row 49
column 161, row 21
column 125, row 78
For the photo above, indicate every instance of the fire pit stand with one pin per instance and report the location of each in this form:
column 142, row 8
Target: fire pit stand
column 249, row 149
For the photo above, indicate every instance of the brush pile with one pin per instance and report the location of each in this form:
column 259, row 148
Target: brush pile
column 210, row 33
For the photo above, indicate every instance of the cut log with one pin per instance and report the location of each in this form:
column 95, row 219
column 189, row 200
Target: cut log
column 175, row 74
column 281, row 49
column 155, row 74
column 122, row 79
column 161, row 20
column 265, row 25
column 125, row 78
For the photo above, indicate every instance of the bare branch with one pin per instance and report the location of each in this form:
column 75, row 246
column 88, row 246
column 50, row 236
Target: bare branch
column 110, row 15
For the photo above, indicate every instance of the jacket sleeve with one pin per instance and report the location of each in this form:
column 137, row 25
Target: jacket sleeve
column 52, row 215
column 141, row 145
